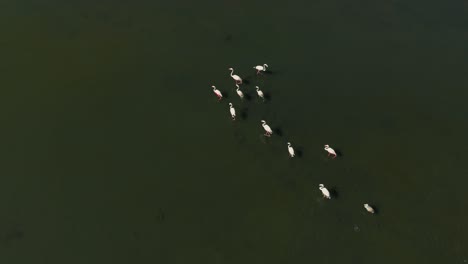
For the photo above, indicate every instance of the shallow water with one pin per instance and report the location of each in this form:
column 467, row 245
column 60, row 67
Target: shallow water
column 115, row 149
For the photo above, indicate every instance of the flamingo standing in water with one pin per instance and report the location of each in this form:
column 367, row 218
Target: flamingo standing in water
column 324, row 191
column 235, row 77
column 369, row 208
column 260, row 93
column 239, row 92
column 233, row 111
column 217, row 92
column 291, row 150
column 330, row 151
column 260, row 68
column 267, row 128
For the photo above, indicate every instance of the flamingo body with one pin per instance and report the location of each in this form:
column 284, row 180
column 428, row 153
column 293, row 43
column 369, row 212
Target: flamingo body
column 235, row 77
column 324, row 191
column 260, row 93
column 217, row 93
column 268, row 131
column 261, row 68
column 291, row 150
column 233, row 111
column 369, row 208
column 239, row 92
column 330, row 151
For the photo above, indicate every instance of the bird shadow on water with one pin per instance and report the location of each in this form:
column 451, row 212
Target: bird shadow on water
column 299, row 151
column 339, row 153
column 244, row 113
column 267, row 96
column 278, row 131
column 376, row 208
column 334, row 192
column 269, row 72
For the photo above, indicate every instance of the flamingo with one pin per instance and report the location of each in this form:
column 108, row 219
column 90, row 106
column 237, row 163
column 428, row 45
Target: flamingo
column 325, row 191
column 260, row 68
column 267, row 128
column 330, row 151
column 233, row 111
column 291, row 150
column 369, row 208
column 260, row 93
column 235, row 77
column 217, row 92
column 239, row 92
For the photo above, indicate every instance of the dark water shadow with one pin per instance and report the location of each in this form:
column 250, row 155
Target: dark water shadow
column 244, row 113
column 299, row 151
column 278, row 131
column 333, row 192
column 247, row 97
column 228, row 38
column 246, row 80
column 269, row 72
column 376, row 208
column 339, row 153
column 267, row 96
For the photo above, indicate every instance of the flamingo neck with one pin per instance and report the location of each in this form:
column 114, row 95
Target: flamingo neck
column 232, row 71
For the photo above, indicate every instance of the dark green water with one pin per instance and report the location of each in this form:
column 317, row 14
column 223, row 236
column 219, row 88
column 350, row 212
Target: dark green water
column 114, row 149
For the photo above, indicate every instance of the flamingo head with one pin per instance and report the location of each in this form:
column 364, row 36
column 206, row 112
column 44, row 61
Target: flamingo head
column 263, row 121
column 237, row 86
column 230, row 104
column 231, row 69
column 327, row 146
column 265, row 65
column 289, row 144
column 321, row 186
column 214, row 87
column 257, row 88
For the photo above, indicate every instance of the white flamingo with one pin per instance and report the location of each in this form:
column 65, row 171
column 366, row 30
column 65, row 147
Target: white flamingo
column 239, row 92
column 325, row 191
column 369, row 208
column 217, row 92
column 260, row 93
column 260, row 68
column 235, row 77
column 267, row 128
column 291, row 150
column 233, row 111
column 330, row 151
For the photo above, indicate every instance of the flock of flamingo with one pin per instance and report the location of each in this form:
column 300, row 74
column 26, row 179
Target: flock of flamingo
column 268, row 131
